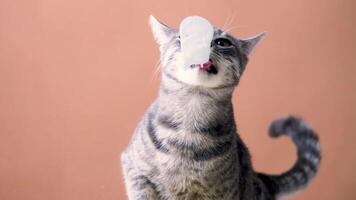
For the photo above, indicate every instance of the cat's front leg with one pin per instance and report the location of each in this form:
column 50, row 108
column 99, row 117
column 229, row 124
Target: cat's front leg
column 138, row 186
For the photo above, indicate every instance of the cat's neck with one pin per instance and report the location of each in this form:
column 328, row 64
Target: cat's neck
column 196, row 107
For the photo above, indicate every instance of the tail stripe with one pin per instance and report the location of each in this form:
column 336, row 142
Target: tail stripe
column 308, row 161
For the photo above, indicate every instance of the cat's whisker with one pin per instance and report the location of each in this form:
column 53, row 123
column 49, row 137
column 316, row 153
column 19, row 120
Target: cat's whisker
column 230, row 22
column 225, row 23
column 231, row 28
column 233, row 17
column 157, row 69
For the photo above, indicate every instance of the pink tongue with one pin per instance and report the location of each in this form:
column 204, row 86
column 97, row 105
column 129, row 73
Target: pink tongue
column 205, row 66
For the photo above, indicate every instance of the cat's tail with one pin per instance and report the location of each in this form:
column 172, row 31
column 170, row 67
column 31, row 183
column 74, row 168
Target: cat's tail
column 308, row 161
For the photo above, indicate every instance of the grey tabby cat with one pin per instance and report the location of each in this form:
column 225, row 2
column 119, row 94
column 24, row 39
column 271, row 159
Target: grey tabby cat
column 186, row 146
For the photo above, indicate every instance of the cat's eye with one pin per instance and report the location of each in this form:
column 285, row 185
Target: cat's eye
column 223, row 42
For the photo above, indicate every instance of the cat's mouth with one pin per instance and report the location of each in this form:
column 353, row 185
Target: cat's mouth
column 207, row 67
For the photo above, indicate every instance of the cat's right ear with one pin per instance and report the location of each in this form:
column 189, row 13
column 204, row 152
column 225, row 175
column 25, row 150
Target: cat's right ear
column 161, row 32
column 249, row 44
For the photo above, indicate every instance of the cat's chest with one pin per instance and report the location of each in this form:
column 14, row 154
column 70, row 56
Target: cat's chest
column 189, row 187
column 185, row 181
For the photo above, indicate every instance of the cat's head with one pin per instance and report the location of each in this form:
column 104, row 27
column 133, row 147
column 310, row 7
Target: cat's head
column 229, row 56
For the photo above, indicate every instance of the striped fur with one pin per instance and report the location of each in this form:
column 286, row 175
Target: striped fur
column 186, row 146
column 309, row 157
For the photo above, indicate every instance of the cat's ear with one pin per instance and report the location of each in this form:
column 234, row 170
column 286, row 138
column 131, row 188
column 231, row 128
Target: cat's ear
column 248, row 44
column 161, row 32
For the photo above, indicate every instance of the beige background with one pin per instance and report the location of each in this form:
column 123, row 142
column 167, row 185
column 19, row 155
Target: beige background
column 77, row 75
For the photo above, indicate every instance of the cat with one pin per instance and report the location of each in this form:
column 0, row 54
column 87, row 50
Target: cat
column 186, row 146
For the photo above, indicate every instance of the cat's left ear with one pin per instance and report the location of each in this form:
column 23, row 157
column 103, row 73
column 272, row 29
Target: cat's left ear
column 248, row 44
column 161, row 32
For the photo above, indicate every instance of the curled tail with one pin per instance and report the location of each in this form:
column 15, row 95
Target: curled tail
column 308, row 160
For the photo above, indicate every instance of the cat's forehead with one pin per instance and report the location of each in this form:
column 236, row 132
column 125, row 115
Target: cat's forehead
column 219, row 33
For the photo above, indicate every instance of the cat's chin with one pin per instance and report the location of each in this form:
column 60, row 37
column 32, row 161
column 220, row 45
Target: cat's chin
column 196, row 76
